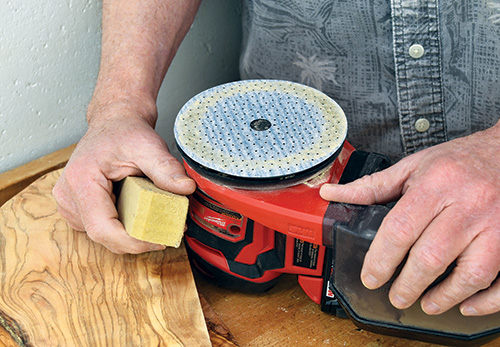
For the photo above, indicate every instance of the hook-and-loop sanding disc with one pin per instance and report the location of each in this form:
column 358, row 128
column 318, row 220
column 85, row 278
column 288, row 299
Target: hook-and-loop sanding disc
column 260, row 129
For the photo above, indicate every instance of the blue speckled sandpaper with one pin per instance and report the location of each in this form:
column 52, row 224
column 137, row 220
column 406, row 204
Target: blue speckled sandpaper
column 294, row 128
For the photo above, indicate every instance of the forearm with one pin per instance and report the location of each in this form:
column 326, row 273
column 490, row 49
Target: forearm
column 139, row 41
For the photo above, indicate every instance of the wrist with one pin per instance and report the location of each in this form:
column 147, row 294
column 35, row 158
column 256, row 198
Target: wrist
column 122, row 105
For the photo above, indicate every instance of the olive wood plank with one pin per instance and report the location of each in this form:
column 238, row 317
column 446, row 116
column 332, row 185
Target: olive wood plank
column 60, row 288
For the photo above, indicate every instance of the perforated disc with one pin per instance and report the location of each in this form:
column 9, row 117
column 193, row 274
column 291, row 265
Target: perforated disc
column 260, row 129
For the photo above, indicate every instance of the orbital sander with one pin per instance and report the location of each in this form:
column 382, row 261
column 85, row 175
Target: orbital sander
column 259, row 151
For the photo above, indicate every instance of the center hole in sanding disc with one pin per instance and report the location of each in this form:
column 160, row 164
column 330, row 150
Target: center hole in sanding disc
column 260, row 124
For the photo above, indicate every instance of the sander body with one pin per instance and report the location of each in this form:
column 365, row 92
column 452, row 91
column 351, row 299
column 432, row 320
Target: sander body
column 259, row 151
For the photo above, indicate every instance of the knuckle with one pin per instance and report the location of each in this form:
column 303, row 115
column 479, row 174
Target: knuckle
column 368, row 190
column 447, row 168
column 60, row 195
column 449, row 296
column 409, row 289
column 56, row 191
column 61, row 190
column 361, row 194
column 401, row 227
column 71, row 173
column 375, row 264
column 165, row 162
column 95, row 234
column 430, row 257
column 477, row 277
column 492, row 303
column 442, row 174
column 366, row 180
column 72, row 179
column 482, row 191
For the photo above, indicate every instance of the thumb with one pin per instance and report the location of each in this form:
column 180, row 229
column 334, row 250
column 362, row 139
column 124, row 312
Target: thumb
column 166, row 172
column 378, row 188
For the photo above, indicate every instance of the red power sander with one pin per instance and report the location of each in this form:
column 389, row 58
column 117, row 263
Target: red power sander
column 259, row 150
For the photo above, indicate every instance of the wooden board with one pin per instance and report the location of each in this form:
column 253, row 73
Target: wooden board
column 59, row 288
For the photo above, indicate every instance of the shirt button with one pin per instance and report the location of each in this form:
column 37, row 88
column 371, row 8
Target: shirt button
column 422, row 125
column 416, row 51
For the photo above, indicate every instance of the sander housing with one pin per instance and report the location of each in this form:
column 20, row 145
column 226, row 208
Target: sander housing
column 253, row 218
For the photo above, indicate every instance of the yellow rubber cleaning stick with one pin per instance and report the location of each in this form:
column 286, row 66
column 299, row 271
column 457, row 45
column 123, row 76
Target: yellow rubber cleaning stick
column 150, row 213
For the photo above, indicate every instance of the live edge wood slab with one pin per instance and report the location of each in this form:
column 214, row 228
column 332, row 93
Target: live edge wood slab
column 58, row 288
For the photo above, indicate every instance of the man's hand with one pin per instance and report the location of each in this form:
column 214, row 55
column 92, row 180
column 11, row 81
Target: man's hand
column 448, row 209
column 110, row 151
column 139, row 40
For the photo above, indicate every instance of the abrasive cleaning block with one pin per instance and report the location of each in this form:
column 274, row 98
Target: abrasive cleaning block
column 151, row 214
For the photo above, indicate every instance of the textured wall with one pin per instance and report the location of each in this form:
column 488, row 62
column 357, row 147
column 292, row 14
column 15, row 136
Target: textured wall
column 208, row 56
column 49, row 56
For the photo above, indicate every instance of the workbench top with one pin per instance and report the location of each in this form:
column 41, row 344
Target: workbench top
column 286, row 316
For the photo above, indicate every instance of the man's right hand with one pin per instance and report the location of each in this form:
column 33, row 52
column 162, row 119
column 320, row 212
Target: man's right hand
column 117, row 145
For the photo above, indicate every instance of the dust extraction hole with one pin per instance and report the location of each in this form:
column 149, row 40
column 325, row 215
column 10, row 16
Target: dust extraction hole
column 260, row 124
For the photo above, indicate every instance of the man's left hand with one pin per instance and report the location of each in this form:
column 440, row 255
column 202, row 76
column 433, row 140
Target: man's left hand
column 448, row 209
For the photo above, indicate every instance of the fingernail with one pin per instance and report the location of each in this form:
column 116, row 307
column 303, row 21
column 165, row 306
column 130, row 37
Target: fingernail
column 370, row 282
column 399, row 302
column 326, row 189
column 431, row 308
column 158, row 248
column 326, row 186
column 180, row 178
column 468, row 311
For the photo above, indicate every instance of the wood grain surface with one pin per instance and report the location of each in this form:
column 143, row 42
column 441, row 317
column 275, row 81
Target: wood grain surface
column 220, row 336
column 286, row 316
column 58, row 288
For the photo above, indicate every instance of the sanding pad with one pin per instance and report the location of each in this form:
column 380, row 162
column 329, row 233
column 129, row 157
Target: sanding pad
column 260, row 130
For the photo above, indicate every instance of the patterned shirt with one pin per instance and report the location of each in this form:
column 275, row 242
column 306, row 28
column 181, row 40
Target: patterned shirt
column 409, row 74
